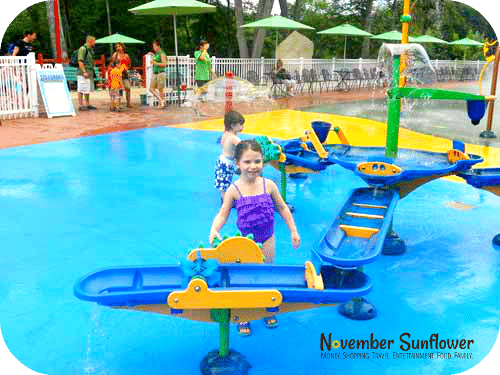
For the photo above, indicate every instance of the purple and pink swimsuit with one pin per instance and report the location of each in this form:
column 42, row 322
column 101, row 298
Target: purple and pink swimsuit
column 256, row 215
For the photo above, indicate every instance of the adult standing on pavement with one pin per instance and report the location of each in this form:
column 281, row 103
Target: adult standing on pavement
column 23, row 46
column 124, row 59
column 159, row 76
column 203, row 62
column 85, row 78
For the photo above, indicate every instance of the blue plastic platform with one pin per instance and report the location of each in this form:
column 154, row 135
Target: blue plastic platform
column 414, row 164
column 482, row 177
column 146, row 197
column 357, row 234
column 297, row 155
column 151, row 285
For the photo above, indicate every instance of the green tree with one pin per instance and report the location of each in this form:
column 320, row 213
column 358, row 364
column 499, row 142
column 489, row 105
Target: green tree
column 33, row 18
column 445, row 19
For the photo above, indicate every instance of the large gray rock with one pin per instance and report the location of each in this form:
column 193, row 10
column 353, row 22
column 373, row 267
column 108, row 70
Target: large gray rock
column 295, row 46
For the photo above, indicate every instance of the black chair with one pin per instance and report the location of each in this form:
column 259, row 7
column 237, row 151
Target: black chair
column 307, row 79
column 453, row 73
column 465, row 74
column 327, row 79
column 368, row 78
column 300, row 82
column 278, row 88
column 253, row 77
column 315, row 79
column 342, row 78
column 377, row 77
column 356, row 77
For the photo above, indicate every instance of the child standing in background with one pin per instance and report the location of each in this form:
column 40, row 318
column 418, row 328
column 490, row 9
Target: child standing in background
column 116, row 85
column 255, row 198
column 124, row 59
column 225, row 166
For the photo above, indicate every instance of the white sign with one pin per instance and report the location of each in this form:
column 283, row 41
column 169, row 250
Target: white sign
column 54, row 91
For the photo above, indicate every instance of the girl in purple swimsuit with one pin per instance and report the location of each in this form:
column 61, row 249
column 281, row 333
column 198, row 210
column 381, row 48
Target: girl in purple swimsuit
column 255, row 198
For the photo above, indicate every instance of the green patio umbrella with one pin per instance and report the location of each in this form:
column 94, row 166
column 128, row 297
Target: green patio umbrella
column 345, row 30
column 173, row 8
column 118, row 38
column 466, row 42
column 277, row 23
column 430, row 39
column 393, row 35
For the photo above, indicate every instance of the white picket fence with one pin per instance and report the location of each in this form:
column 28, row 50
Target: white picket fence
column 18, row 88
column 19, row 98
column 258, row 71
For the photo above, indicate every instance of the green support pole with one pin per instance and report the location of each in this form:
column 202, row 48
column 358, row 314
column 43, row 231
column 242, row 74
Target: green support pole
column 283, row 180
column 393, row 111
column 221, row 316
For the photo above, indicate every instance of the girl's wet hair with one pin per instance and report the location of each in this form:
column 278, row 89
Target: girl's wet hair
column 248, row 144
column 232, row 118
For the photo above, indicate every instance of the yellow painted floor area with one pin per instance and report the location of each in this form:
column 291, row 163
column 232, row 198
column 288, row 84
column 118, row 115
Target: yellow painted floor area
column 286, row 124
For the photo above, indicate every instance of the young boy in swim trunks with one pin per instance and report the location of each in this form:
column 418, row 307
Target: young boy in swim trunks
column 225, row 166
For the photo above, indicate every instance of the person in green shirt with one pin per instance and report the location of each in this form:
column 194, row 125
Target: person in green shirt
column 158, row 77
column 85, row 77
column 203, row 68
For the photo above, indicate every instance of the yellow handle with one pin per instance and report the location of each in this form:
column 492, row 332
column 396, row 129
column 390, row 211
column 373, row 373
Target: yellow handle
column 379, row 168
column 232, row 250
column 313, row 280
column 197, row 295
column 455, row 155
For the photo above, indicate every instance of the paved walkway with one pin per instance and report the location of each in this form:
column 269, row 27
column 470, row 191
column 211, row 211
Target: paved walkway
column 25, row 131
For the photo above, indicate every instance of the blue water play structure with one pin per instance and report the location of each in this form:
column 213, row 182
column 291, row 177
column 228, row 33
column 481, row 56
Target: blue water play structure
column 230, row 283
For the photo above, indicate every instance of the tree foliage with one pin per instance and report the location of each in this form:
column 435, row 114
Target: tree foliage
column 441, row 18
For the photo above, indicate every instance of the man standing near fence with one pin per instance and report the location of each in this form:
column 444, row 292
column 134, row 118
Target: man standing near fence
column 23, row 46
column 85, row 79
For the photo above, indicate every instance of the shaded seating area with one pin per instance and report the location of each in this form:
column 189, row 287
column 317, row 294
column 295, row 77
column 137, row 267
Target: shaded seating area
column 321, row 79
column 468, row 73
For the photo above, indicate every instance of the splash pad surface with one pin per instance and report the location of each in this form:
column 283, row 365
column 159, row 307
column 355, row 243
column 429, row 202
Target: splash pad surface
column 145, row 197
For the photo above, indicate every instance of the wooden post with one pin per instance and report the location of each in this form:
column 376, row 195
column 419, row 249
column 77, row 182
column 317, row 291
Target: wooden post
column 488, row 133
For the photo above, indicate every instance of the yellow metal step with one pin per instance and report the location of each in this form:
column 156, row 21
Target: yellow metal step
column 361, row 232
column 366, row 216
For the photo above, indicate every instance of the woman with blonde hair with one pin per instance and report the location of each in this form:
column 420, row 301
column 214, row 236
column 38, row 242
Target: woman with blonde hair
column 285, row 77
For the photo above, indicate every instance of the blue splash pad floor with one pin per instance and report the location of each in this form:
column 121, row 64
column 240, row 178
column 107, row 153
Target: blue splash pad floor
column 146, row 197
